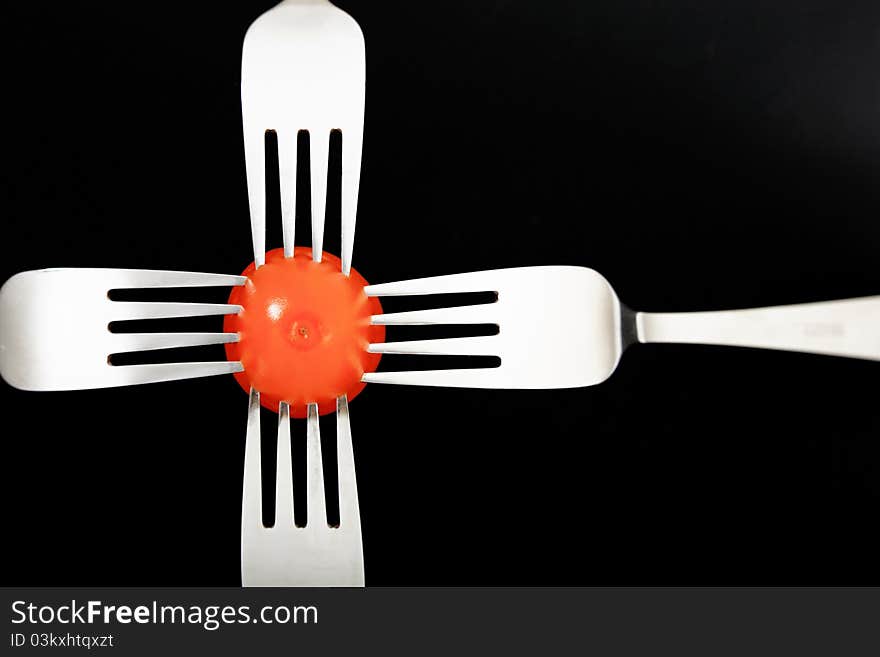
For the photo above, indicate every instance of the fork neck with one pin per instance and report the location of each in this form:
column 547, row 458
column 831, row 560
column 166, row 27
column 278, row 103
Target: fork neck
column 629, row 330
column 843, row 327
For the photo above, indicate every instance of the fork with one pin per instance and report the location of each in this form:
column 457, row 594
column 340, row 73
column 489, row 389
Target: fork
column 564, row 327
column 315, row 554
column 55, row 333
column 303, row 68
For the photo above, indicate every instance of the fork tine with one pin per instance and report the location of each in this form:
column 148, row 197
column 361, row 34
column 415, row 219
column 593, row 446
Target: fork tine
column 130, row 375
column 122, row 342
column 352, row 147
column 126, row 310
column 349, row 511
column 485, row 313
column 119, row 279
column 255, row 165
column 475, row 346
column 316, row 507
column 485, row 377
column 485, row 281
column 319, row 153
column 252, row 492
column 287, row 177
column 284, row 470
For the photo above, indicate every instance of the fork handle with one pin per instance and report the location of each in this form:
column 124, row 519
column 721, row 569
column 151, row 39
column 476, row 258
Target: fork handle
column 845, row 327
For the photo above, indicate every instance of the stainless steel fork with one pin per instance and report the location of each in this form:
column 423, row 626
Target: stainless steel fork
column 303, row 68
column 55, row 328
column 564, row 327
column 315, row 554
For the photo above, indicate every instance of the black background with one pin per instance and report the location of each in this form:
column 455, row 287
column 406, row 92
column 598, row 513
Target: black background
column 700, row 155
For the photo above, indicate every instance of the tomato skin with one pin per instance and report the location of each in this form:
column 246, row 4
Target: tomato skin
column 303, row 331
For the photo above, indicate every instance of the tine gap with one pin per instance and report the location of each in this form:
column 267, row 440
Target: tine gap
column 273, row 192
column 298, row 451
column 205, row 324
column 212, row 352
column 303, row 210
column 333, row 216
column 268, row 457
column 182, row 294
column 283, row 470
column 329, row 460
column 418, row 363
column 431, row 301
column 438, row 331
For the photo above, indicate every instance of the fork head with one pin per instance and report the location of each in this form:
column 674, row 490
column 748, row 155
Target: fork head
column 55, row 334
column 303, row 68
column 558, row 327
column 315, row 554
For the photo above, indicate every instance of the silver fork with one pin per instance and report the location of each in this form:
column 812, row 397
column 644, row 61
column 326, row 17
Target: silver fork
column 564, row 327
column 316, row 554
column 55, row 334
column 303, row 68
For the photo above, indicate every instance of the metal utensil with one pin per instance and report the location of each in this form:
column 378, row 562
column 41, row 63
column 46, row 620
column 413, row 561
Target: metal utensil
column 303, row 68
column 55, row 334
column 564, row 327
column 315, row 554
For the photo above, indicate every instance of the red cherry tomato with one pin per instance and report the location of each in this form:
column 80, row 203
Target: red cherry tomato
column 304, row 331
